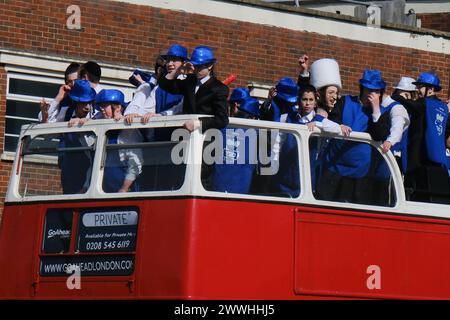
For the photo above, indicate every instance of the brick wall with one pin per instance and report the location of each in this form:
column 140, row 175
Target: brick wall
column 436, row 21
column 121, row 33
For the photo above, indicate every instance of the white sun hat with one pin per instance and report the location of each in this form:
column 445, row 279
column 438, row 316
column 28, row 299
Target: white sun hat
column 406, row 84
column 325, row 72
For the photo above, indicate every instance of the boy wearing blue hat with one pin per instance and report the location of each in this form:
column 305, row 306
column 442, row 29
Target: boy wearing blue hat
column 122, row 166
column 427, row 136
column 238, row 95
column 235, row 173
column 203, row 93
column 346, row 164
column 76, row 167
column 282, row 100
column 390, row 121
column 82, row 97
column 149, row 100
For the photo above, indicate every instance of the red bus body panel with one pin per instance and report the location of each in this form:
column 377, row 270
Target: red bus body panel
column 199, row 248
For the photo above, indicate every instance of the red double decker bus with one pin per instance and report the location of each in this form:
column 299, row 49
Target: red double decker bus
column 193, row 229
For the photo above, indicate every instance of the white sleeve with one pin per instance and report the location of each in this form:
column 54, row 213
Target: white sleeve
column 328, row 126
column 376, row 116
column 140, row 96
column 150, row 103
column 176, row 109
column 399, row 123
column 52, row 112
column 61, row 114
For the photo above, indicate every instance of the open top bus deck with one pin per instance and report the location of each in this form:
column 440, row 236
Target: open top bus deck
column 191, row 230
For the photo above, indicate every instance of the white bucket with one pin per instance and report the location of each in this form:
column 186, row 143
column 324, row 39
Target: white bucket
column 325, row 72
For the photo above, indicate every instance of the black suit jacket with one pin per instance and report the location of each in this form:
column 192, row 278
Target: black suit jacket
column 210, row 99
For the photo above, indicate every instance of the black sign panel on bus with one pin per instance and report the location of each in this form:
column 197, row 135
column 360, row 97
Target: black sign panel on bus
column 57, row 230
column 106, row 230
column 91, row 265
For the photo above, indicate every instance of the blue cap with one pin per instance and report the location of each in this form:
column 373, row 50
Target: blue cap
column 146, row 76
column 429, row 79
column 372, row 80
column 287, row 90
column 82, row 92
column 176, row 51
column 110, row 95
column 239, row 94
column 251, row 106
column 202, row 55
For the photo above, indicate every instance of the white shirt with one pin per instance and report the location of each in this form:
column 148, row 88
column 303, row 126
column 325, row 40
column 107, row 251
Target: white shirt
column 52, row 111
column 307, row 118
column 144, row 100
column 97, row 88
column 328, row 126
column 132, row 157
column 399, row 120
column 201, row 82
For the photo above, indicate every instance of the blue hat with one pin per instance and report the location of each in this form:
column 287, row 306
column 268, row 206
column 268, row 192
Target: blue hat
column 372, row 80
column 146, row 76
column 110, row 95
column 250, row 105
column 239, row 94
column 429, row 79
column 202, row 55
column 176, row 51
column 82, row 92
column 287, row 90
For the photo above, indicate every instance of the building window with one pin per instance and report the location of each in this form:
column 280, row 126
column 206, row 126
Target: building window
column 24, row 91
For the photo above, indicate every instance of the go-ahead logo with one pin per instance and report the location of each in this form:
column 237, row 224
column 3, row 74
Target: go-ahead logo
column 58, row 232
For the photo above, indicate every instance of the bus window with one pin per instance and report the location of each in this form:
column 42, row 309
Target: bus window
column 251, row 161
column 349, row 171
column 55, row 164
column 138, row 160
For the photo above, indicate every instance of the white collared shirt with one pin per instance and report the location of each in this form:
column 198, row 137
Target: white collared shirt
column 201, row 82
column 399, row 120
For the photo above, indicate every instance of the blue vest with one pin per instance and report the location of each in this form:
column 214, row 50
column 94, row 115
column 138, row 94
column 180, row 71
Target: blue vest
column 348, row 158
column 166, row 100
column 436, row 115
column 287, row 179
column 115, row 170
column 74, row 165
column 401, row 146
column 235, row 173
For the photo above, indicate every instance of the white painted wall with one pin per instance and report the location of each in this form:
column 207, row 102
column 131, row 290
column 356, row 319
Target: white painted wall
column 299, row 22
column 418, row 6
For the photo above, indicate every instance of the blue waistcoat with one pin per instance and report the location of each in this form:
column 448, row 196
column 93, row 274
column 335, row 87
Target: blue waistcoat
column 74, row 165
column 235, row 173
column 166, row 100
column 436, row 115
column 348, row 158
column 115, row 170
